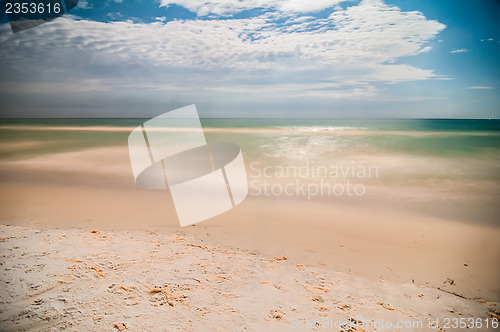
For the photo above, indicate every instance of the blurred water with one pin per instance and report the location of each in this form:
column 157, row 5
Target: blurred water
column 453, row 154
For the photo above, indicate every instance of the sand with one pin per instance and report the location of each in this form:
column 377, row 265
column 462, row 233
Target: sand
column 364, row 260
column 100, row 281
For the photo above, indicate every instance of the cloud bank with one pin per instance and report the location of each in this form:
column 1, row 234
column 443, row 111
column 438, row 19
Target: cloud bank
column 344, row 54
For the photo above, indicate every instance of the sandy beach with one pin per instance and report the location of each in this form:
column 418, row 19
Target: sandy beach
column 83, row 248
column 95, row 280
column 249, row 165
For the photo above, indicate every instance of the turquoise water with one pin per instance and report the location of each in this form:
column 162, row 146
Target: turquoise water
column 466, row 138
column 366, row 124
column 439, row 161
column 451, row 125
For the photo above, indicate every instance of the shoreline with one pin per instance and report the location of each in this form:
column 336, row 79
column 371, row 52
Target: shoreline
column 412, row 248
column 328, row 130
column 367, row 237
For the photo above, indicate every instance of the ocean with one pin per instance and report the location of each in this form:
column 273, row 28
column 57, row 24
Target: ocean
column 412, row 160
column 437, row 137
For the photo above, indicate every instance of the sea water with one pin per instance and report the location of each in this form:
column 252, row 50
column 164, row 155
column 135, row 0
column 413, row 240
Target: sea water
column 437, row 160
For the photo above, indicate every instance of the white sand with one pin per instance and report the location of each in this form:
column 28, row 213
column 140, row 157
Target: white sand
column 82, row 281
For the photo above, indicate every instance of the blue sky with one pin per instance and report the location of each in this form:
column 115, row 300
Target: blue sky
column 257, row 58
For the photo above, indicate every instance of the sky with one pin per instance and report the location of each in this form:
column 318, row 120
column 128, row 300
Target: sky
column 257, row 58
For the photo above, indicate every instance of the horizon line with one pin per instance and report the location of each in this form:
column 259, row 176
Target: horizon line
column 246, row 118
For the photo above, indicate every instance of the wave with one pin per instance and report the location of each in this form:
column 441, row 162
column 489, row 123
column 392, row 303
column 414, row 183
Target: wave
column 320, row 128
column 338, row 130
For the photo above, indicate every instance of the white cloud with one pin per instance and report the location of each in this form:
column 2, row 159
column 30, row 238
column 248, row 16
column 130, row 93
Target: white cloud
column 84, row 4
column 228, row 7
column 343, row 55
column 481, row 87
column 460, row 50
